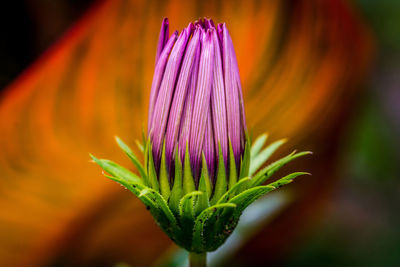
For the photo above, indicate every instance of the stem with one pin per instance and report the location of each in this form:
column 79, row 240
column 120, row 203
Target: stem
column 197, row 260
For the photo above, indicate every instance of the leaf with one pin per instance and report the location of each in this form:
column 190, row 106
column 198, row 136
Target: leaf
column 188, row 182
column 164, row 180
column 258, row 160
column 161, row 203
column 201, row 220
column 186, row 217
column 244, row 199
column 287, row 179
column 268, row 171
column 232, row 167
column 245, row 160
column 186, row 205
column 221, row 183
column 139, row 145
column 205, row 187
column 258, row 144
column 151, row 172
column 237, row 188
column 117, row 170
column 131, row 156
column 177, row 190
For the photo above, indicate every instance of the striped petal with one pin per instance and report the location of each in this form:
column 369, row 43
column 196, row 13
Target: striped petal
column 184, row 128
column 218, row 105
column 201, row 101
column 181, row 90
column 236, row 77
column 158, row 75
column 163, row 102
column 232, row 97
column 163, row 38
column 208, row 146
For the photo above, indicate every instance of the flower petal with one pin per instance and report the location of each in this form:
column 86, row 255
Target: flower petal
column 163, row 38
column 163, row 102
column 232, row 97
column 158, row 75
column 218, row 105
column 182, row 87
column 201, row 101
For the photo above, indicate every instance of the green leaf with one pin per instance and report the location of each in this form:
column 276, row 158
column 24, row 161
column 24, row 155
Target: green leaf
column 161, row 203
column 117, row 170
column 232, row 167
column 146, row 162
column 164, row 180
column 139, row 145
column 186, row 205
column 221, row 183
column 201, row 220
column 131, row 156
column 236, row 189
column 188, row 182
column 287, row 179
column 186, row 217
column 244, row 199
column 265, row 173
column 152, row 174
column 136, row 190
column 205, row 187
column 258, row 144
column 245, row 160
column 177, row 191
column 258, row 160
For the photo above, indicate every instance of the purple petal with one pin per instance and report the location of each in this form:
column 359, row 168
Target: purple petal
column 218, row 105
column 208, row 146
column 163, row 38
column 202, row 100
column 184, row 128
column 232, row 97
column 158, row 75
column 236, row 75
column 182, row 87
column 163, row 102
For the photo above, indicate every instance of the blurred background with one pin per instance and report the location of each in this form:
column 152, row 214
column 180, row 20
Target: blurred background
column 349, row 214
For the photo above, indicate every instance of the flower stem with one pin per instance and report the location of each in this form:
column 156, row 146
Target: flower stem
column 197, row 260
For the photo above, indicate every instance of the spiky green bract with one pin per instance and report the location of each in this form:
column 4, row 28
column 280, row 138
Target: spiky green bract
column 199, row 215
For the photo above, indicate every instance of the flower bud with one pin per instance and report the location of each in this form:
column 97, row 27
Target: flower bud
column 196, row 100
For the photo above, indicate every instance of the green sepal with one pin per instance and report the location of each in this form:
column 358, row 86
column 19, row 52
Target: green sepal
column 232, row 167
column 258, row 144
column 245, row 160
column 187, row 216
column 146, row 162
column 151, row 172
column 116, row 170
column 160, row 201
column 220, row 183
column 265, row 173
column 236, row 189
column 287, row 179
column 135, row 189
column 188, row 181
column 258, row 160
column 177, row 191
column 128, row 151
column 139, row 145
column 199, row 235
column 164, row 180
column 205, row 187
column 154, row 202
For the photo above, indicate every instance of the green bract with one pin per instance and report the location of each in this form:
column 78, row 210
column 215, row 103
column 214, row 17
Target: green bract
column 200, row 217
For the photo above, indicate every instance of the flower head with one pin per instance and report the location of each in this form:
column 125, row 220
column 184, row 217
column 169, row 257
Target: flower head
column 196, row 98
column 199, row 172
